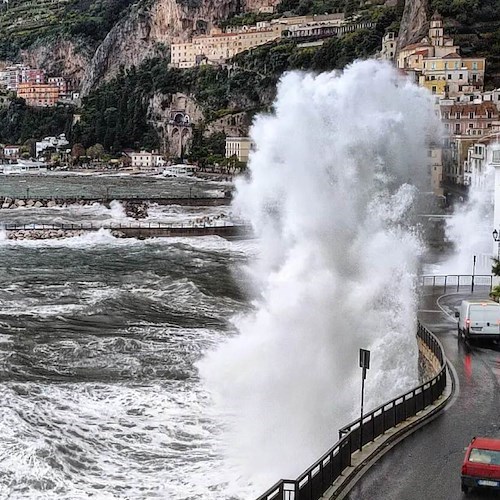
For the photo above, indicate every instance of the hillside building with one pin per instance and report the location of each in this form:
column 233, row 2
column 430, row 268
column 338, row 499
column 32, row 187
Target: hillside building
column 465, row 123
column 12, row 76
column 61, row 83
column 439, row 65
column 482, row 154
column 38, row 95
column 389, row 44
column 217, row 47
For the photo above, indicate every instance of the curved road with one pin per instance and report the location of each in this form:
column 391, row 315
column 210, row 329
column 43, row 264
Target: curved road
column 426, row 465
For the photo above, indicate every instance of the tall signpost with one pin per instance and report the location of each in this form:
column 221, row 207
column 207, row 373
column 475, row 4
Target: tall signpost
column 364, row 364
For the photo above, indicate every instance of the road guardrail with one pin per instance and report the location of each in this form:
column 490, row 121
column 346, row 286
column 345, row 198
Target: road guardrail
column 319, row 477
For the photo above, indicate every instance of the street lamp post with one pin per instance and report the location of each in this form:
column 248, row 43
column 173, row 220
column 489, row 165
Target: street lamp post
column 496, row 237
column 364, row 363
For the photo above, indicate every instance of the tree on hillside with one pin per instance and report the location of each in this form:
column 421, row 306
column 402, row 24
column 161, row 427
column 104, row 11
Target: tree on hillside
column 96, row 151
column 77, row 150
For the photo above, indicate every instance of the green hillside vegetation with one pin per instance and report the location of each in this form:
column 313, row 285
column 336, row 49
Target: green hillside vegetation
column 27, row 22
column 19, row 123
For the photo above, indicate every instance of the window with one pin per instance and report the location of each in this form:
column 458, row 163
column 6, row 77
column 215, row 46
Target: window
column 461, row 76
column 474, row 65
column 496, row 156
column 434, row 89
column 457, row 115
column 484, row 456
column 433, row 65
column 489, row 114
column 457, row 128
column 456, row 64
column 471, row 114
column 471, row 125
column 449, row 76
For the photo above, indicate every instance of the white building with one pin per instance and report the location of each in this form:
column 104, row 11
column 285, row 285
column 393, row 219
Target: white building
column 389, row 43
column 11, row 151
column 147, row 160
column 239, row 147
column 56, row 143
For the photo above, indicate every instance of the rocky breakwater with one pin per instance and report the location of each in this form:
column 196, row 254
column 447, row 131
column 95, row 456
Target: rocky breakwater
column 135, row 209
column 42, row 234
column 11, row 203
column 7, row 203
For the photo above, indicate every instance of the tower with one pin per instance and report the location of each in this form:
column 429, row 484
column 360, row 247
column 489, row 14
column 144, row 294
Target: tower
column 436, row 30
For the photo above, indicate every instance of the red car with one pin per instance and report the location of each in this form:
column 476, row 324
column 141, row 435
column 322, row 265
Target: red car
column 481, row 467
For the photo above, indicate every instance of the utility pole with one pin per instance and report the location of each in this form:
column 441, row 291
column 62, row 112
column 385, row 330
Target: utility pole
column 364, row 363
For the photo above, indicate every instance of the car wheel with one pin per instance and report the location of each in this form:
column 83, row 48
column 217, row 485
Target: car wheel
column 465, row 488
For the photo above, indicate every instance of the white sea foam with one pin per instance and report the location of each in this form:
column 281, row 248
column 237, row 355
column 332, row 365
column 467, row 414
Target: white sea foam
column 330, row 195
column 469, row 229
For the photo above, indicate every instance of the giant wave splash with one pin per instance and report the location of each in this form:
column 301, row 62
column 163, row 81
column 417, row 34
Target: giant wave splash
column 330, row 194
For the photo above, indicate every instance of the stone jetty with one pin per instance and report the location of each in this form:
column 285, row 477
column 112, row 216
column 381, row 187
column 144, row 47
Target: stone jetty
column 7, row 203
column 133, row 208
column 43, row 234
column 123, row 231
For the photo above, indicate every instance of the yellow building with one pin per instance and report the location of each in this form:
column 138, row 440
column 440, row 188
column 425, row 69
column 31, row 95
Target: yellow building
column 218, row 47
column 41, row 94
column 439, row 65
column 239, row 147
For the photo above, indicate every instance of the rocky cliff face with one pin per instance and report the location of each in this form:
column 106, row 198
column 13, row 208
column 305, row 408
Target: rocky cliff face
column 148, row 31
column 60, row 57
column 415, row 22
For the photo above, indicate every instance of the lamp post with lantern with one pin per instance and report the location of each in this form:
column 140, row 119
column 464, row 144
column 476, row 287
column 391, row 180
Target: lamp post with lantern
column 496, row 237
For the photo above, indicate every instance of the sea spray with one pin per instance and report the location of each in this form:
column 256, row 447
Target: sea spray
column 330, row 194
column 469, row 229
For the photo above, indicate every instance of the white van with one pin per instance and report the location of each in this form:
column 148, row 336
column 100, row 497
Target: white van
column 479, row 319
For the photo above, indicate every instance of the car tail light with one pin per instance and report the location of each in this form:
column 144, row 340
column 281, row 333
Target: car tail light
column 467, row 322
column 464, row 469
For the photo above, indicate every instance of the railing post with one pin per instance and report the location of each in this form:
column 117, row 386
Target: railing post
column 458, row 282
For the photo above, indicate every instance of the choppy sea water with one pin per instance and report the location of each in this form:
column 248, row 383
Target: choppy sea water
column 99, row 393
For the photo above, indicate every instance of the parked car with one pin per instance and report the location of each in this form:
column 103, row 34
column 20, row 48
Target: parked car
column 479, row 319
column 481, row 467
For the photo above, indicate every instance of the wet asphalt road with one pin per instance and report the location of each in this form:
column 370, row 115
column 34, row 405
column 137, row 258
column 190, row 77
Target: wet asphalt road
column 426, row 465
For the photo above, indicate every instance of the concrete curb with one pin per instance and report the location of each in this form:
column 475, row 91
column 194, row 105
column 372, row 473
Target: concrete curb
column 362, row 462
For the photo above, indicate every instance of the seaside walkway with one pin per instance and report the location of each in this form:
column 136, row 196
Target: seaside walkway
column 138, row 230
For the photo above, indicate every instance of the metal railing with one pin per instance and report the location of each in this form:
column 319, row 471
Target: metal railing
column 457, row 281
column 95, row 227
column 110, row 197
column 317, row 479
